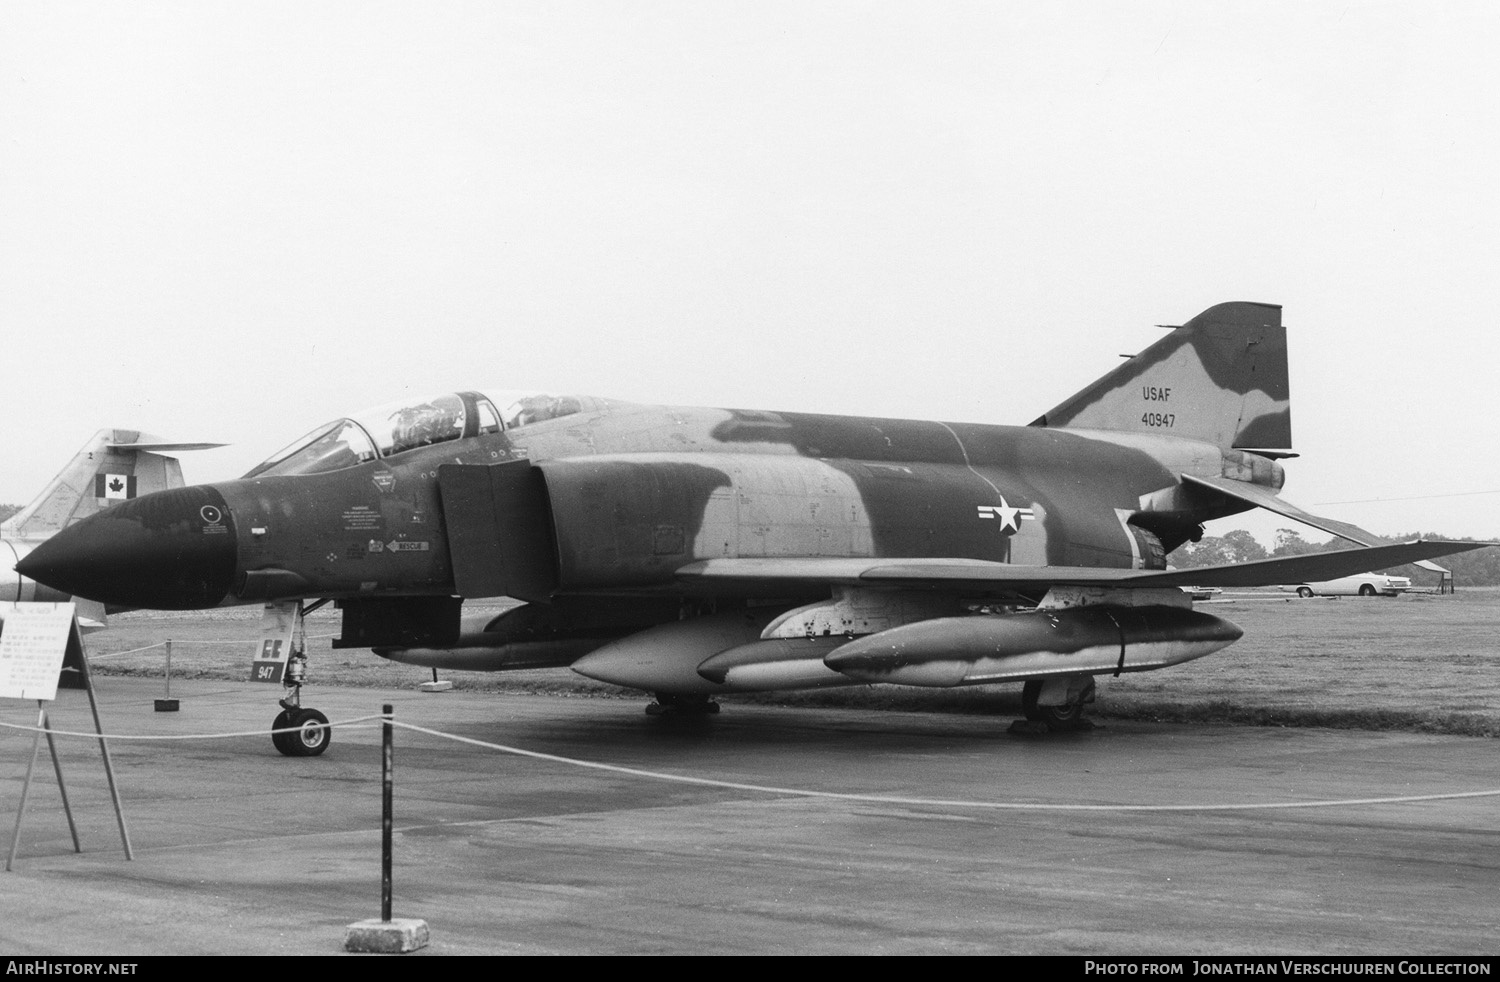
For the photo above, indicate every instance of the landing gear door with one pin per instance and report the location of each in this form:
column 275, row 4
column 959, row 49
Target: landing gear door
column 499, row 527
column 278, row 633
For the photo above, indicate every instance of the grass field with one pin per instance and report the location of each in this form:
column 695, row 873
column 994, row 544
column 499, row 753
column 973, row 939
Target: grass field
column 1417, row 662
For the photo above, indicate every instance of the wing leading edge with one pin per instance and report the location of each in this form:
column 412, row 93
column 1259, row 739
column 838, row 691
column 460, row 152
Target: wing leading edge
column 984, row 576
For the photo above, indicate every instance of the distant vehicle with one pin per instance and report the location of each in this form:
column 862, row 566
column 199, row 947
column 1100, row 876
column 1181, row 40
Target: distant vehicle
column 1358, row 585
column 1201, row 592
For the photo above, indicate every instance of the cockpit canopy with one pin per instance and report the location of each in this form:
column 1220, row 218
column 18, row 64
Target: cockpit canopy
column 394, row 428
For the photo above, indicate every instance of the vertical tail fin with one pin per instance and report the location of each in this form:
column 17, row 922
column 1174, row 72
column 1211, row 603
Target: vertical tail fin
column 113, row 465
column 1221, row 378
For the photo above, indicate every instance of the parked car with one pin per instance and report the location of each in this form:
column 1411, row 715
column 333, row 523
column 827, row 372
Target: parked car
column 1358, row 585
column 1201, row 592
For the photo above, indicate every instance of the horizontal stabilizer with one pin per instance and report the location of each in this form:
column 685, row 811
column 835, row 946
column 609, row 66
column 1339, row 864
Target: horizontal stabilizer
column 983, row 576
column 1260, row 497
column 165, row 447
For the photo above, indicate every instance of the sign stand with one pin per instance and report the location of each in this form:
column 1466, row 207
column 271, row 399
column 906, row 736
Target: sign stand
column 109, row 767
column 41, row 650
column 43, row 726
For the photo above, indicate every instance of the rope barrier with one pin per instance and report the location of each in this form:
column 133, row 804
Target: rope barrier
column 225, row 641
column 358, row 723
column 366, row 722
column 127, row 651
column 942, row 802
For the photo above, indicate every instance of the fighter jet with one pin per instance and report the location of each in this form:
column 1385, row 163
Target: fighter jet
column 115, row 465
column 694, row 552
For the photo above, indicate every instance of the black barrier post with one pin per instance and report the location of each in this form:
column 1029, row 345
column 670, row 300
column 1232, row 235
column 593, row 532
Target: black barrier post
column 168, row 704
column 386, row 935
column 385, row 818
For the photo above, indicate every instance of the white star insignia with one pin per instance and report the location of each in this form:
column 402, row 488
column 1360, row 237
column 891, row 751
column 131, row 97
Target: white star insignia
column 1010, row 517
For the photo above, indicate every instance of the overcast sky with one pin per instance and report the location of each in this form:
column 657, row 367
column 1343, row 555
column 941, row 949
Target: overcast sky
column 233, row 221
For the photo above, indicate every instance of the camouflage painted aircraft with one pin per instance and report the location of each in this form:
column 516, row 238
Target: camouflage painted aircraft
column 115, row 465
column 693, row 552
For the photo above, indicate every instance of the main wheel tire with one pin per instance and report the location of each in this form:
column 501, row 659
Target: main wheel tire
column 312, row 735
column 1366, row 590
column 282, row 741
column 1060, row 716
column 1304, row 592
column 681, row 706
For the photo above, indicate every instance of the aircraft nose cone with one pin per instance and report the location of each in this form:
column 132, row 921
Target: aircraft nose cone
column 172, row 550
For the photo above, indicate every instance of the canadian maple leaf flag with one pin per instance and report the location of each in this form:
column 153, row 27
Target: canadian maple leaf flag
column 114, row 486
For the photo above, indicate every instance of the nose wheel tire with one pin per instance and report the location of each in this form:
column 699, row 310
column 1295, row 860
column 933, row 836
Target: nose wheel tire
column 309, row 735
column 282, row 741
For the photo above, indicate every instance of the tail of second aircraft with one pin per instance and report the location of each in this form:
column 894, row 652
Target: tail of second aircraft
column 112, row 466
column 1221, row 378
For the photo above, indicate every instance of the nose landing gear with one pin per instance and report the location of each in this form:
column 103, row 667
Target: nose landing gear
column 297, row 731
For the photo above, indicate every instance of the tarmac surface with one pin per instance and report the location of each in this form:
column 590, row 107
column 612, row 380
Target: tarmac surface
column 238, row 850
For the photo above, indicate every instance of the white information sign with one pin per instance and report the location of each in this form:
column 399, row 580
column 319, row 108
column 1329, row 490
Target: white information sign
column 32, row 646
column 278, row 632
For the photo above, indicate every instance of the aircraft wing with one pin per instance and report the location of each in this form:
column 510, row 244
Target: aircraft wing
column 1262, row 497
column 985, row 576
column 1318, row 565
column 91, row 615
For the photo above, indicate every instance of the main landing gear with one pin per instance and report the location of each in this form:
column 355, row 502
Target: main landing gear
column 1055, row 704
column 673, row 706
